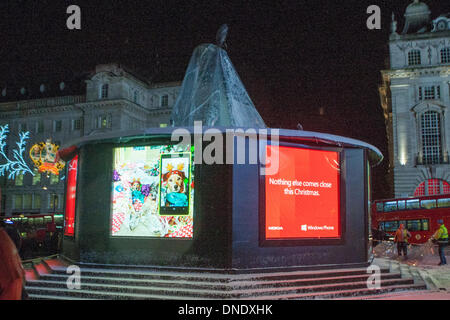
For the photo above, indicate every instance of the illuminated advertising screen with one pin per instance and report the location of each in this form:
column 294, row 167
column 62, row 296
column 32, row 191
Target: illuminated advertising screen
column 153, row 192
column 71, row 193
column 302, row 198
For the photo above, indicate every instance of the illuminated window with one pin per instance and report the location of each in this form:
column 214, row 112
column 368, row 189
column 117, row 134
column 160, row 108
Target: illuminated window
column 36, row 201
column 104, row 121
column 36, row 177
column 27, row 201
column 104, row 91
column 18, row 181
column 414, row 58
column 431, row 187
column 164, row 101
column 431, row 137
column 54, row 179
column 53, row 201
column 445, row 55
column 18, row 201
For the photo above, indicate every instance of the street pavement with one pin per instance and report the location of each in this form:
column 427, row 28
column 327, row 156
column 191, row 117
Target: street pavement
column 422, row 265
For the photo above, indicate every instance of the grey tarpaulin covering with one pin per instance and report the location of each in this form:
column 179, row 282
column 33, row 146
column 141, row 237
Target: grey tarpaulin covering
column 213, row 93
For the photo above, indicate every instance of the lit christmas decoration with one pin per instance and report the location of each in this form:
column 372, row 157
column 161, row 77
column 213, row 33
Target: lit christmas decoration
column 17, row 165
column 44, row 157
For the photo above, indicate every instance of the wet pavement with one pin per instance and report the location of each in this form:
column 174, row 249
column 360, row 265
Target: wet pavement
column 421, row 264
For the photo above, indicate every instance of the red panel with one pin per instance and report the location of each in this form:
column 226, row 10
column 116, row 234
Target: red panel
column 433, row 187
column 71, row 197
column 302, row 199
column 420, row 190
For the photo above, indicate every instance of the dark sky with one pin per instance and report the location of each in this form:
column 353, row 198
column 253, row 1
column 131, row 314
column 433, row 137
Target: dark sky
column 294, row 57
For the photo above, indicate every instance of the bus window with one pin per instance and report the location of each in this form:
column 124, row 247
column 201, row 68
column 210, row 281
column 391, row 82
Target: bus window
column 403, row 222
column 428, row 204
column 413, row 225
column 401, row 205
column 425, row 225
column 379, row 206
column 390, row 226
column 48, row 219
column 390, row 206
column 39, row 222
column 59, row 219
column 413, row 204
column 443, row 203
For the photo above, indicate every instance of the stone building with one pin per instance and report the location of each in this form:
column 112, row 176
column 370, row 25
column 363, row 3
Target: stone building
column 113, row 99
column 415, row 98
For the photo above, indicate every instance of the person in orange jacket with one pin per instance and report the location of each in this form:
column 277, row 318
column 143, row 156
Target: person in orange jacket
column 401, row 238
column 12, row 274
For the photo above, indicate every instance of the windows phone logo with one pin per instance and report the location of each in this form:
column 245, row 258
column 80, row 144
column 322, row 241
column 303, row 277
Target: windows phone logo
column 304, row 227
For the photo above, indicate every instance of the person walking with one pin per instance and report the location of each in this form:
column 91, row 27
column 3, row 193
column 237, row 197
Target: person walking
column 441, row 238
column 401, row 238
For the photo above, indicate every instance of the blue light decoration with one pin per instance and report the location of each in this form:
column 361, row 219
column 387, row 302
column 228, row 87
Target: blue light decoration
column 18, row 165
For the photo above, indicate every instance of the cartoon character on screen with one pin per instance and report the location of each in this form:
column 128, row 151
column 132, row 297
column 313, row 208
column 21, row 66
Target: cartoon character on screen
column 174, row 182
column 139, row 204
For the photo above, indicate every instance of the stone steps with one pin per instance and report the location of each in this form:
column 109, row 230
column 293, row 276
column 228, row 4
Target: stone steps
column 153, row 283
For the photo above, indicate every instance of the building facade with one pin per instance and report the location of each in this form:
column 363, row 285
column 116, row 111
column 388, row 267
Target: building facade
column 415, row 97
column 114, row 100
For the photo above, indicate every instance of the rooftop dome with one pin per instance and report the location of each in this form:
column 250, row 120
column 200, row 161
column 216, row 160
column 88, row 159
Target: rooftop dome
column 417, row 17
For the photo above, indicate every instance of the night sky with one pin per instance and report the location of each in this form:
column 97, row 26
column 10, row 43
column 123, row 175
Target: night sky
column 294, row 57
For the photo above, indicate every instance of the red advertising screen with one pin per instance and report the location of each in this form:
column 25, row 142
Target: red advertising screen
column 302, row 198
column 71, row 197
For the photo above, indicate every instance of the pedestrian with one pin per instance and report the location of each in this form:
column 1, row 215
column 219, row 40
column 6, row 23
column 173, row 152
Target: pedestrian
column 401, row 238
column 441, row 238
column 12, row 274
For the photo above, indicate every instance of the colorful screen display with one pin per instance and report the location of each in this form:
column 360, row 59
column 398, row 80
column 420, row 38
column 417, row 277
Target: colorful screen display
column 71, row 193
column 302, row 199
column 153, row 192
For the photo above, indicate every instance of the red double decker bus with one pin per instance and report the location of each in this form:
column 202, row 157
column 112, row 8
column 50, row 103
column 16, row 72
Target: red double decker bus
column 418, row 214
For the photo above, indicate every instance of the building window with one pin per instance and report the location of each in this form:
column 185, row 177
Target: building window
column 40, row 126
column 165, row 101
column 18, row 180
column 445, row 55
column 77, row 124
column 431, row 187
column 431, row 137
column 135, row 97
column 104, row 121
column 36, row 177
column 18, row 201
column 104, row 91
column 414, row 58
column 36, row 201
column 430, row 93
column 54, row 179
column 57, row 125
column 54, row 201
column 27, row 201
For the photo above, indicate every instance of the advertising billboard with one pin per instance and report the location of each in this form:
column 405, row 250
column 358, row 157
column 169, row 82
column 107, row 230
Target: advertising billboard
column 302, row 200
column 71, row 192
column 153, row 192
